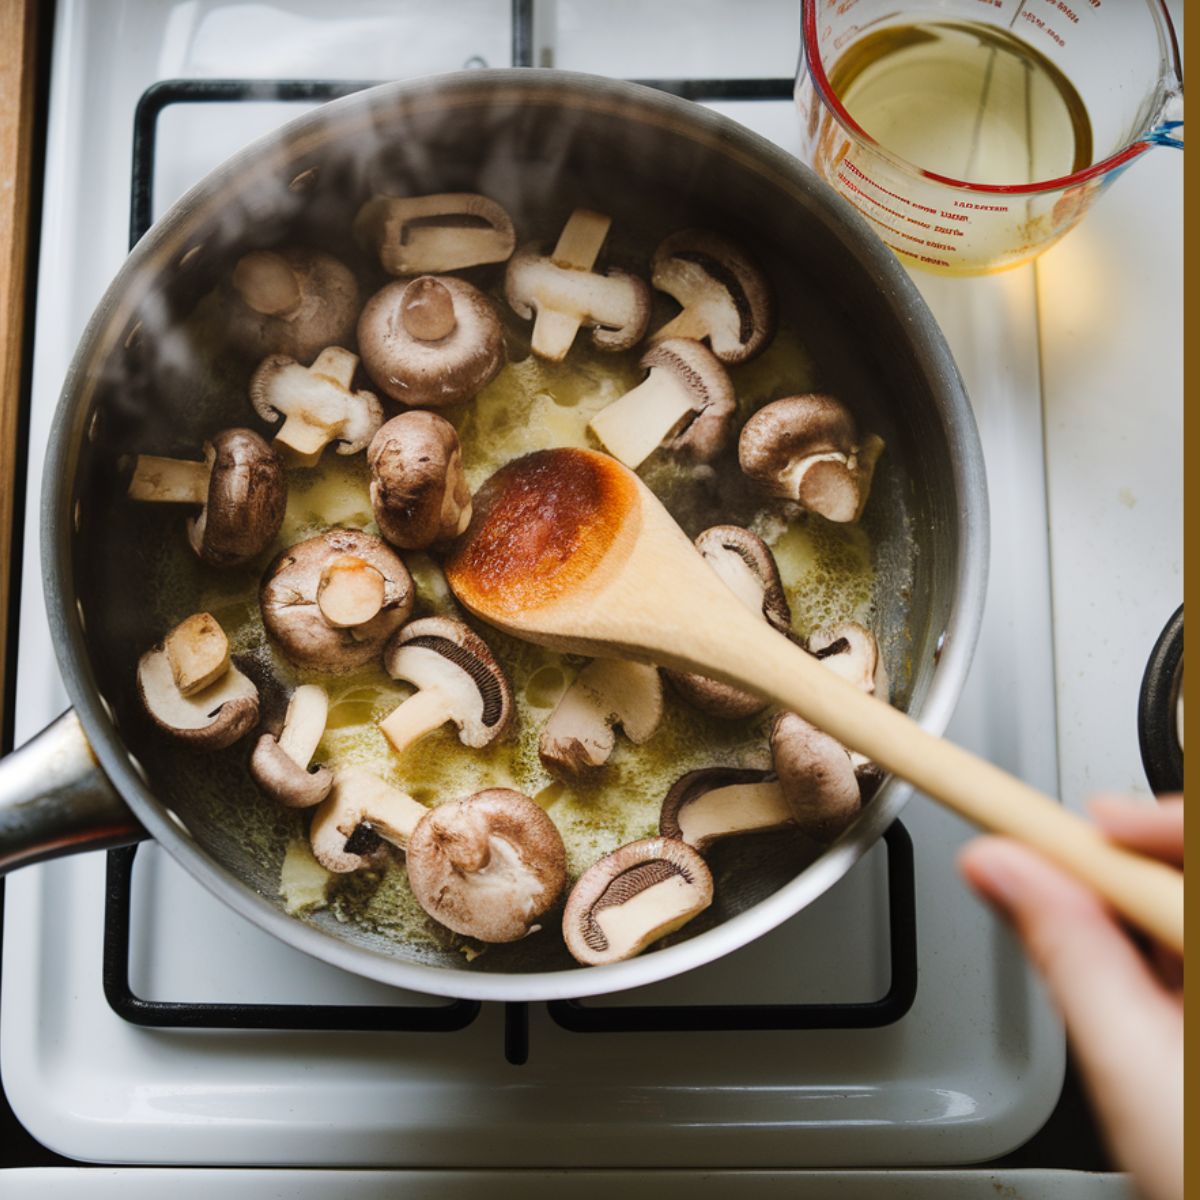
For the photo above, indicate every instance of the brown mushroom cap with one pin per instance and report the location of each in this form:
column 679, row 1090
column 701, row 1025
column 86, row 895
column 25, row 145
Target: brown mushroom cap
column 816, row 777
column 457, row 677
column 419, row 491
column 724, row 295
column 247, row 496
column 398, row 337
column 207, row 719
column 745, row 563
column 633, row 897
column 292, row 616
column 716, row 802
column 290, row 300
column 807, row 449
column 489, row 866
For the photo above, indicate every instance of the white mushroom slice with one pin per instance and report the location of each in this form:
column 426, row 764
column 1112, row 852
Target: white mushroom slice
column 240, row 487
column 705, row 806
column 579, row 736
column 317, row 404
column 346, row 560
column 418, row 235
column 564, row 293
column 280, row 765
column 489, row 866
column 290, row 300
column 633, row 897
column 725, row 297
column 359, row 814
column 807, row 449
column 209, row 719
column 686, row 402
column 457, row 679
column 747, row 567
column 198, row 652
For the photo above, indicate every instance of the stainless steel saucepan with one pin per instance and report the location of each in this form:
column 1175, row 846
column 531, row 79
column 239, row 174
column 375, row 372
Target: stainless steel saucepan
column 540, row 143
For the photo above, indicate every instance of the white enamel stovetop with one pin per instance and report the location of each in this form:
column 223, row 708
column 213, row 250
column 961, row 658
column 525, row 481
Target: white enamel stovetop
column 1074, row 370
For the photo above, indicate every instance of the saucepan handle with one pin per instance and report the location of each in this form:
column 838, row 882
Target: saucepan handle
column 55, row 799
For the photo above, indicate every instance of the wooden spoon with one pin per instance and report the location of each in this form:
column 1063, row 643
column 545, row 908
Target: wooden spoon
column 569, row 549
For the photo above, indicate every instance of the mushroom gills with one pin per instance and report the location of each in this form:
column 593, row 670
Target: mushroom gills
column 640, row 906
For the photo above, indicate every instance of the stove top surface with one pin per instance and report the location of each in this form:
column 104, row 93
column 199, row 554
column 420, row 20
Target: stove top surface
column 959, row 1058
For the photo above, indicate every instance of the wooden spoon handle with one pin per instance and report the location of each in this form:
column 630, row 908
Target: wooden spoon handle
column 1148, row 893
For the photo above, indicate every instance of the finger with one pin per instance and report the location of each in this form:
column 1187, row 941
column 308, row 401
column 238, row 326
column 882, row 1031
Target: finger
column 1127, row 1032
column 1155, row 829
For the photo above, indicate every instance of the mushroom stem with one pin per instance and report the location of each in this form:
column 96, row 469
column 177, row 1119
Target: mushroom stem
column 198, row 652
column 632, row 427
column 581, row 239
column 360, row 798
column 350, row 593
column 735, row 808
column 422, row 713
column 427, row 310
column 687, row 323
column 170, row 480
column 304, row 724
column 267, row 283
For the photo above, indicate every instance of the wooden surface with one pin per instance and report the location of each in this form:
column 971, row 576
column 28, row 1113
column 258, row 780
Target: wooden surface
column 18, row 26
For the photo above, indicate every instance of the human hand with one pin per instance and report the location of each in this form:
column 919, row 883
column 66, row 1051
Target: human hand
column 1123, row 1008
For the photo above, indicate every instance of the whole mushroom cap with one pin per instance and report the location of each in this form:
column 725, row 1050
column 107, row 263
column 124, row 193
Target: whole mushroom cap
column 431, row 341
column 488, row 866
column 291, row 615
column 816, row 776
column 247, row 496
column 314, row 298
column 419, row 492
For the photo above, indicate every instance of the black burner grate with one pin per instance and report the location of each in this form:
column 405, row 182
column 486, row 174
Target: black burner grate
column 575, row 1016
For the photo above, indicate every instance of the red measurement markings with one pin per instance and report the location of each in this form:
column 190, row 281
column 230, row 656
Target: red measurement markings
column 980, row 207
column 925, row 258
column 1066, row 10
column 1037, row 22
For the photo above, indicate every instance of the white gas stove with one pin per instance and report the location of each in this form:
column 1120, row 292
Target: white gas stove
column 891, row 1026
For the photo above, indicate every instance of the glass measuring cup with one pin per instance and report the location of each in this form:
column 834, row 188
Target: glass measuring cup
column 1113, row 64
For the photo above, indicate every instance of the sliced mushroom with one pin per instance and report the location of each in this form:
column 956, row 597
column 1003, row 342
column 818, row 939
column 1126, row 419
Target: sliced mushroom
column 418, row 235
column 851, row 651
column 745, row 563
column 725, row 297
column 808, row 449
column 431, row 341
column 292, row 301
column 360, row 813
column 633, row 897
column 816, row 777
column 686, row 403
column 344, row 628
column 198, row 652
column 457, row 679
column 240, row 488
column 210, row 717
column 580, row 734
column 489, row 866
column 419, row 491
column 717, row 802
column 279, row 765
column 317, row 403
column 564, row 293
